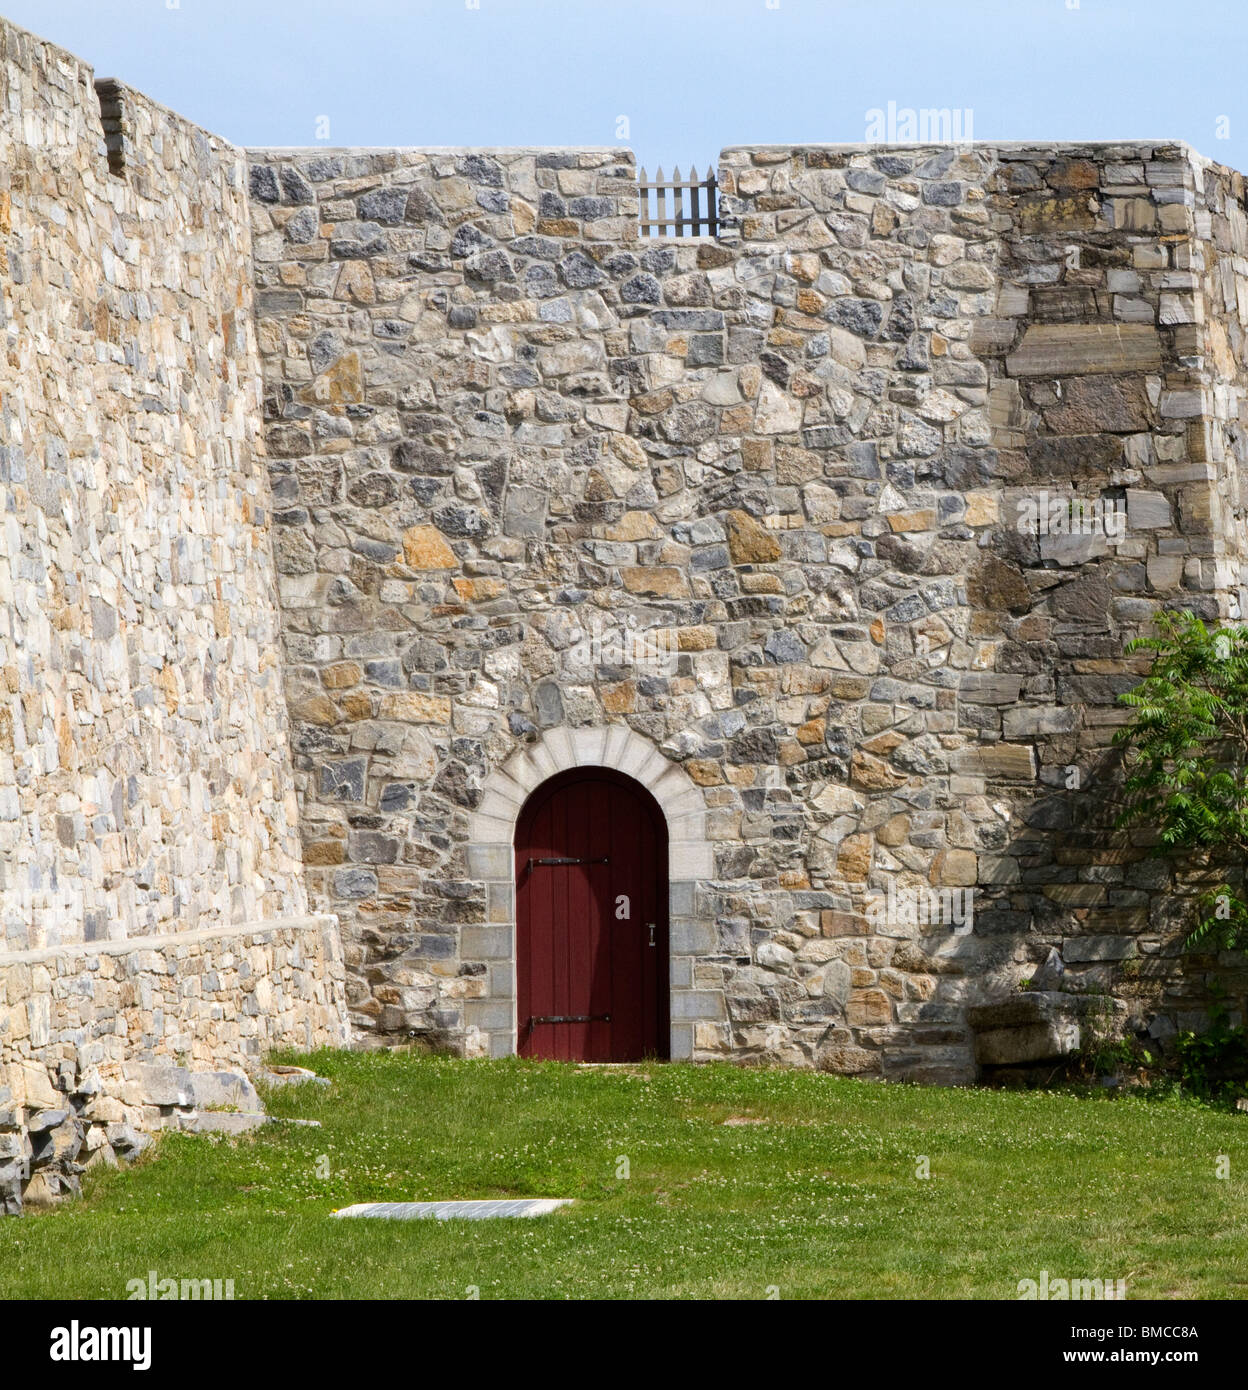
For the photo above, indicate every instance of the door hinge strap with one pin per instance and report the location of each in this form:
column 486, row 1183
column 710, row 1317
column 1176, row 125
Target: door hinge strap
column 569, row 1018
column 603, row 860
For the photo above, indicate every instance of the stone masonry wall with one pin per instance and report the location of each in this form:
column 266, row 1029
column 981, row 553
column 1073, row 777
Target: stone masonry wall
column 499, row 424
column 501, row 432
column 94, row 1032
column 152, row 903
column 506, row 442
column 144, row 776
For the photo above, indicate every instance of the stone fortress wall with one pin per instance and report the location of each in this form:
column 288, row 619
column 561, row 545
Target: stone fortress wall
column 500, row 433
column 499, row 424
column 152, row 903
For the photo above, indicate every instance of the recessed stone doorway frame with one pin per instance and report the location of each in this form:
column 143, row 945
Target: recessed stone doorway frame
column 491, row 1021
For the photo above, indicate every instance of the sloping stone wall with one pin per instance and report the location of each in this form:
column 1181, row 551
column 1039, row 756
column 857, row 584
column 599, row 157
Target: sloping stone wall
column 152, row 902
column 144, row 775
column 504, row 432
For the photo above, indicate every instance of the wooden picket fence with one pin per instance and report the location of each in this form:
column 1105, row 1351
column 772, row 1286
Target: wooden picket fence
column 695, row 211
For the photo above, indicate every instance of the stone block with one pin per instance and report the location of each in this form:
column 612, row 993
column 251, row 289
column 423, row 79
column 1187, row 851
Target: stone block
column 488, row 1015
column 491, row 862
column 690, row 860
column 1078, row 950
column 165, row 1085
column 1008, row 761
column 1147, row 510
column 989, row 688
column 1069, row 349
column 1041, row 1026
column 697, row 1004
column 1031, row 721
column 221, row 1122
column 213, row 1090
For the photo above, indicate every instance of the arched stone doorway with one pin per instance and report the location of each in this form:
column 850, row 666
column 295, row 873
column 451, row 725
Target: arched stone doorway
column 696, row 1012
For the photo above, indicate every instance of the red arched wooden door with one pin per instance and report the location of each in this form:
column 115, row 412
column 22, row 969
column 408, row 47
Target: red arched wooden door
column 591, row 920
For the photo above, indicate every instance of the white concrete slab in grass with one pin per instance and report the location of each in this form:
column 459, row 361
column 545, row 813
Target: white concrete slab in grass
column 457, row 1211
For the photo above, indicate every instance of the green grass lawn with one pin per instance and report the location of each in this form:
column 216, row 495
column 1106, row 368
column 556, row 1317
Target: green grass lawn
column 815, row 1195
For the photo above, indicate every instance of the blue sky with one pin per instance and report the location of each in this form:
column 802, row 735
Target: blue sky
column 690, row 76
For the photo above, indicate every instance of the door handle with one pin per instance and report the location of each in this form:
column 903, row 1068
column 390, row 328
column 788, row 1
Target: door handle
column 650, row 925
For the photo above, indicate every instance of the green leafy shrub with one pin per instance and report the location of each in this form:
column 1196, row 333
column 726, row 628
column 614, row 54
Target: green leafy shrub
column 1214, row 1065
column 1188, row 759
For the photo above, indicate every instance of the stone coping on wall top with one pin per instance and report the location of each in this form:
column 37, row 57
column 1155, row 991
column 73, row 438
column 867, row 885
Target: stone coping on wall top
column 40, row 954
column 932, row 146
column 851, row 146
column 623, row 151
column 1179, row 149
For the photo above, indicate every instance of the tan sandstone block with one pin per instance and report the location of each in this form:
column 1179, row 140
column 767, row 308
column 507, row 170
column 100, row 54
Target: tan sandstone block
column 854, row 858
column 748, row 542
column 660, row 580
column 956, row 868
column 426, row 548
column 341, row 675
column 416, row 707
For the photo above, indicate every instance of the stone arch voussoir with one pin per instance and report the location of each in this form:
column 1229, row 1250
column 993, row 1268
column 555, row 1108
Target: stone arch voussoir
column 491, row 1022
